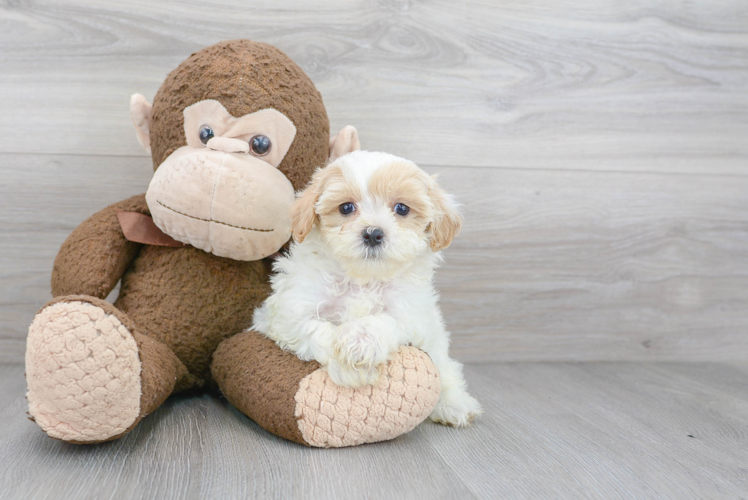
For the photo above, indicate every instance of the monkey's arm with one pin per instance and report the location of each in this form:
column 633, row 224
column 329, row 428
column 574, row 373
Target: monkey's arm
column 96, row 254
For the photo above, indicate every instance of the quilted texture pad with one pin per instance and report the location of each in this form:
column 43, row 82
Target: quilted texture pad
column 330, row 416
column 83, row 373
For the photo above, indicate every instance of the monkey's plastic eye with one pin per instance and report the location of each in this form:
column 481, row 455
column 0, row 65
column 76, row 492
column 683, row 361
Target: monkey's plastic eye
column 259, row 145
column 347, row 208
column 402, row 209
column 206, row 134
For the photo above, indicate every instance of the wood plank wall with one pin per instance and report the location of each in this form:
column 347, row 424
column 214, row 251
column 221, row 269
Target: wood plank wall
column 600, row 150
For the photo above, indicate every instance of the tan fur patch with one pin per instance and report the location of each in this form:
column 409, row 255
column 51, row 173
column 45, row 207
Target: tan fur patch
column 402, row 182
column 329, row 180
column 335, row 191
column 83, row 373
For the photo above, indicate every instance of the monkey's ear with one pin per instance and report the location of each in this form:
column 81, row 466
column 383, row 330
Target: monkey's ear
column 140, row 111
column 344, row 142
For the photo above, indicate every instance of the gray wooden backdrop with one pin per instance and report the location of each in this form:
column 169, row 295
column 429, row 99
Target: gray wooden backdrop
column 600, row 149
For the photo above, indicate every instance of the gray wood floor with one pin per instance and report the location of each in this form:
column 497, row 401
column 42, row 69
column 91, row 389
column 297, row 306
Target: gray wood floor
column 593, row 430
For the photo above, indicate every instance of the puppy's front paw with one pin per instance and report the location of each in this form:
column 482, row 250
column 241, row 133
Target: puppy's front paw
column 346, row 376
column 456, row 408
column 359, row 345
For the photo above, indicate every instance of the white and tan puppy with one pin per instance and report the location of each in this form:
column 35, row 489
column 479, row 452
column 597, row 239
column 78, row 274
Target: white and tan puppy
column 358, row 282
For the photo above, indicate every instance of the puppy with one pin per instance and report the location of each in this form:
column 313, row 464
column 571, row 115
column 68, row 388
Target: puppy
column 358, row 282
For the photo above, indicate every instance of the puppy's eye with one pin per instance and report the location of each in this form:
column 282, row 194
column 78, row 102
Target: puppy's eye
column 259, row 145
column 347, row 208
column 206, row 134
column 402, row 209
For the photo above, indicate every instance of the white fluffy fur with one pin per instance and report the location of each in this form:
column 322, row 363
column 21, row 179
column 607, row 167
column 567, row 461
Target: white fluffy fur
column 348, row 307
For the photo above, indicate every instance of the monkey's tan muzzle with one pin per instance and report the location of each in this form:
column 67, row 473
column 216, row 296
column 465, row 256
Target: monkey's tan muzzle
column 231, row 205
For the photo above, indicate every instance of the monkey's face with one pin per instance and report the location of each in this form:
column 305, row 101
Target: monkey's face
column 223, row 192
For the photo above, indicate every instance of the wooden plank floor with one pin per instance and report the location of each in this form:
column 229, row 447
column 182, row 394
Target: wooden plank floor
column 595, row 430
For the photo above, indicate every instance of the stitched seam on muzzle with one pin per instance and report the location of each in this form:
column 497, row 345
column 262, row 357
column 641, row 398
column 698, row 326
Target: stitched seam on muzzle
column 216, row 221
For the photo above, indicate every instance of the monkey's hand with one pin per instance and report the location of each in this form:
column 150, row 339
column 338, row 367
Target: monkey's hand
column 96, row 254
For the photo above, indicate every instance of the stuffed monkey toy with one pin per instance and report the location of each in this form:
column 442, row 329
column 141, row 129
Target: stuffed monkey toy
column 233, row 131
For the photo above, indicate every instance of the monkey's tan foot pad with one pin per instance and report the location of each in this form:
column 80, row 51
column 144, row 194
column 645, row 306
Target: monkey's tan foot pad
column 331, row 416
column 83, row 373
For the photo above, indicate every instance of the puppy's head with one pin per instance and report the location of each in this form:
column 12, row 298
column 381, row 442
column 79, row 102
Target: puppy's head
column 376, row 212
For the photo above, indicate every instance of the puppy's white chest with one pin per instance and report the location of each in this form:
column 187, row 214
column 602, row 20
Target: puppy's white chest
column 342, row 303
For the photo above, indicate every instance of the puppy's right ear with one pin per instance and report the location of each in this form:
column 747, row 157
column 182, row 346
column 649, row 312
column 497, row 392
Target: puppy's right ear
column 303, row 215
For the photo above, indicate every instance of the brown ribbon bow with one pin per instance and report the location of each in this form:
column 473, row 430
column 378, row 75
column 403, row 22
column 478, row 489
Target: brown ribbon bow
column 140, row 228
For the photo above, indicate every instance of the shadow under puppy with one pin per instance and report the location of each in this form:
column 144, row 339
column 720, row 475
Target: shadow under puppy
column 358, row 282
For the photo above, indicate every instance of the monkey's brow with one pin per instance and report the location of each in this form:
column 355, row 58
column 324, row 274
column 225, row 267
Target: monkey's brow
column 216, row 221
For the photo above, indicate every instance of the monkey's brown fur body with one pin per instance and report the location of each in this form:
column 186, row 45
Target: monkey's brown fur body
column 181, row 317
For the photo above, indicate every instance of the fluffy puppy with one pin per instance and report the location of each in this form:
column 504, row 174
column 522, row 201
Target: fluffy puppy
column 358, row 282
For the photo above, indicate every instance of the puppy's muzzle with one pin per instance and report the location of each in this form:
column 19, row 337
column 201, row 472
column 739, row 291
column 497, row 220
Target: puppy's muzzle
column 373, row 236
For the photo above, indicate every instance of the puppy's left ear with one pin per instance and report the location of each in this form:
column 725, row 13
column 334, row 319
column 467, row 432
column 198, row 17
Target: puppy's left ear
column 447, row 218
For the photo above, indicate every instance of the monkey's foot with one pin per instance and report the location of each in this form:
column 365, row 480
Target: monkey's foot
column 298, row 400
column 83, row 372
column 333, row 416
column 91, row 377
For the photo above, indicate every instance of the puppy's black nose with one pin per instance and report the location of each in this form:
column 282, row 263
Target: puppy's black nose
column 373, row 236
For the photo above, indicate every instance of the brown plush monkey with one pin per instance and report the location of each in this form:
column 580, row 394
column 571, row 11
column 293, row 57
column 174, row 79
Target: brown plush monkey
column 233, row 131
